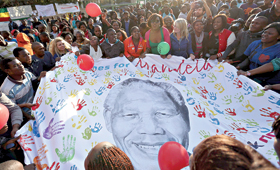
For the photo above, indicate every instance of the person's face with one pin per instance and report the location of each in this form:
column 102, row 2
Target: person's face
column 112, row 36
column 60, row 46
column 83, row 28
column 41, row 18
column 141, row 131
column 75, row 17
column 270, row 35
column 24, row 22
column 97, row 31
column 155, row 23
column 198, row 12
column 15, row 68
column 142, row 12
column 5, row 35
column 119, row 36
column 24, row 57
column 15, row 34
column 35, row 19
column 168, row 22
column 2, row 41
column 94, row 41
column 184, row 9
column 217, row 24
column 4, row 129
column 166, row 9
column 56, row 22
column 125, row 16
column 79, row 37
column 115, row 26
column 77, row 24
column 256, row 25
column 176, row 29
column 39, row 50
column 68, row 39
column 90, row 21
column 41, row 28
column 198, row 27
column 54, row 28
column 135, row 33
column 114, row 16
column 68, row 30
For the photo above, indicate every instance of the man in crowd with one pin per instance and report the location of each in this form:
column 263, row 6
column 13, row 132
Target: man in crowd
column 247, row 7
column 273, row 13
column 127, row 24
column 12, row 25
column 42, row 55
column 24, row 27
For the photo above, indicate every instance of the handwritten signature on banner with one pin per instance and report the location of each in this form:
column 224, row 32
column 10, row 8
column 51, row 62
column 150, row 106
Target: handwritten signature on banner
column 70, row 105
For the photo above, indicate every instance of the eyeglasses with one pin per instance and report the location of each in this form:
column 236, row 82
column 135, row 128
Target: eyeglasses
column 155, row 21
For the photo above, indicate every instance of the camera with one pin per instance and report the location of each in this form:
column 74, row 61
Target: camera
column 236, row 25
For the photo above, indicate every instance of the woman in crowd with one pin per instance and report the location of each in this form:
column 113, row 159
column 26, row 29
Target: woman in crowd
column 156, row 34
column 93, row 49
column 199, row 39
column 261, row 52
column 121, row 35
column 112, row 47
column 83, row 27
column 219, row 38
column 59, row 48
column 68, row 29
column 135, row 45
column 168, row 23
column 181, row 44
column 81, row 40
column 116, row 25
column 68, row 37
column 55, row 30
column 114, row 16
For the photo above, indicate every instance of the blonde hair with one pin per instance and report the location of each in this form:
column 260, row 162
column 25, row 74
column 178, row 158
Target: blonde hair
column 54, row 49
column 183, row 26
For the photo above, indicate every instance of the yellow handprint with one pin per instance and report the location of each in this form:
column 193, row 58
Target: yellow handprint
column 211, row 111
column 82, row 120
column 73, row 93
column 72, row 70
column 117, row 70
column 30, row 127
column 248, row 106
column 92, row 82
column 219, row 87
column 139, row 73
column 195, row 90
column 220, row 67
column 195, row 81
column 96, row 100
column 45, row 86
column 107, row 80
column 92, row 145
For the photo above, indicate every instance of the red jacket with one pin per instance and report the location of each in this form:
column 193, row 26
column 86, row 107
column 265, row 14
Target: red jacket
column 129, row 48
column 226, row 37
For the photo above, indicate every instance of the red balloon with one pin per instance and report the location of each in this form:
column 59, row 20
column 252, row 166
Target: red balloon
column 85, row 62
column 93, row 10
column 4, row 114
column 172, row 155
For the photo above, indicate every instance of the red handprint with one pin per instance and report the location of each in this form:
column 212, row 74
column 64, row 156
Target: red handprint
column 238, row 128
column 202, row 95
column 38, row 103
column 110, row 85
column 269, row 113
column 60, row 65
column 238, row 83
column 53, row 80
column 79, row 105
column 53, row 164
column 203, row 89
column 81, row 82
column 230, row 112
column 201, row 113
column 41, row 155
column 226, row 133
column 26, row 140
column 125, row 71
column 77, row 76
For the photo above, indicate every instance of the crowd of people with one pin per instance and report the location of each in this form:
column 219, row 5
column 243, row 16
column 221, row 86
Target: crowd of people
column 244, row 34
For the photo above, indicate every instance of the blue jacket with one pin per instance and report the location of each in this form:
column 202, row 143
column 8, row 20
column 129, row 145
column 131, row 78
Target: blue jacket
column 181, row 48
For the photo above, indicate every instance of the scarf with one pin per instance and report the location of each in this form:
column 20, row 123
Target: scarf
column 200, row 38
column 93, row 54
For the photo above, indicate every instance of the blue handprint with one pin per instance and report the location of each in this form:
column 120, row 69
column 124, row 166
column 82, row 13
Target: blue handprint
column 53, row 129
column 60, row 86
column 247, row 88
column 217, row 110
column 67, row 78
column 203, row 75
column 212, row 95
column 182, row 77
column 190, row 101
column 59, row 105
column 274, row 100
column 116, row 77
column 39, row 119
column 131, row 74
column 100, row 91
column 230, row 76
column 157, row 76
column 214, row 120
column 257, row 128
column 97, row 128
column 74, row 167
column 94, row 75
column 210, row 102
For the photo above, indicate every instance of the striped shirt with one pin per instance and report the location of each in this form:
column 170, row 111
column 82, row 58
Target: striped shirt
column 7, row 51
column 19, row 91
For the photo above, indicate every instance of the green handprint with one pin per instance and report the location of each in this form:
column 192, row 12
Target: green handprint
column 272, row 152
column 68, row 58
column 68, row 151
column 108, row 73
column 261, row 93
column 87, row 134
column 212, row 77
column 239, row 97
column 87, row 91
column 83, row 72
column 55, row 94
column 204, row 134
column 48, row 101
column 230, row 118
column 166, row 76
column 250, row 122
column 59, row 71
column 94, row 111
column 227, row 99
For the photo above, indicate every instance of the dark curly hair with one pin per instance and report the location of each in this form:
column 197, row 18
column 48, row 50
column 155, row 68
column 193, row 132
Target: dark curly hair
column 153, row 17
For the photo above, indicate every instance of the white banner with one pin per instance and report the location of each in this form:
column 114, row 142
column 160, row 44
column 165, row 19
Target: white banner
column 4, row 26
column 65, row 8
column 141, row 105
column 45, row 10
column 18, row 12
